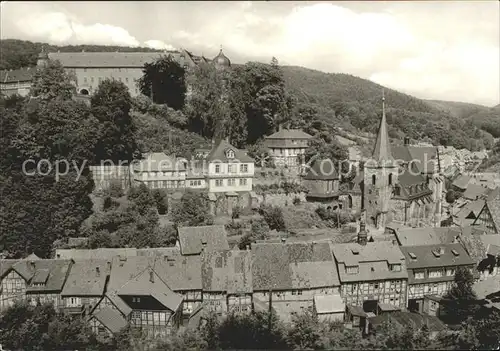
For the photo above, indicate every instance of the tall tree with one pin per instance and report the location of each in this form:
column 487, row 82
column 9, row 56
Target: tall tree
column 53, row 82
column 461, row 300
column 111, row 105
column 207, row 104
column 164, row 82
column 192, row 210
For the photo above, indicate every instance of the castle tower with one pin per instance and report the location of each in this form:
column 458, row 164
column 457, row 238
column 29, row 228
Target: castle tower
column 380, row 176
column 43, row 59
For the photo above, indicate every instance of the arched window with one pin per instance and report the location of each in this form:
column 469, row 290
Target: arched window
column 374, row 179
column 390, row 178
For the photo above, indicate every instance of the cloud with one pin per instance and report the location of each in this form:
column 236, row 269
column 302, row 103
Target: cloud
column 424, row 49
column 61, row 28
column 158, row 44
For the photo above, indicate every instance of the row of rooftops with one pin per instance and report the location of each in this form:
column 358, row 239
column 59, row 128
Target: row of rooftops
column 203, row 261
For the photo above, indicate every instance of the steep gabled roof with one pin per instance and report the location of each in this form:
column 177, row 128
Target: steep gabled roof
column 86, row 278
column 111, row 319
column 220, row 153
column 193, row 239
column 382, row 149
column 51, row 273
column 290, row 266
column 227, row 271
column 17, row 75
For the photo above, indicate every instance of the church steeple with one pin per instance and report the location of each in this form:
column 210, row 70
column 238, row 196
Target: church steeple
column 382, row 150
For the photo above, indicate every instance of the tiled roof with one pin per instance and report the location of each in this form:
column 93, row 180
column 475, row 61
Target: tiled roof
column 109, row 59
column 51, row 272
column 322, row 170
column 425, row 236
column 424, row 158
column 143, row 285
column 119, row 303
column 462, row 181
column 193, row 239
column 96, row 254
column 87, row 278
column 289, row 266
column 227, row 271
column 111, row 319
column 220, row 151
column 178, row 272
column 426, row 258
column 158, row 161
column 17, row 75
column 289, row 134
column 404, row 319
column 373, row 260
column 473, row 191
column 494, row 207
column 491, row 243
column 329, row 304
column 469, row 212
column 5, row 266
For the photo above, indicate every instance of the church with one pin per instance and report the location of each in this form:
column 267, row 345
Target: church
column 399, row 183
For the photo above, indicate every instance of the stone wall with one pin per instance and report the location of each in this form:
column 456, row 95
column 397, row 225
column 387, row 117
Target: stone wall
column 279, row 199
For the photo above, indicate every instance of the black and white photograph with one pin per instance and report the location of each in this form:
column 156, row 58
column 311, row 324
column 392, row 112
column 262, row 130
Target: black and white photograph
column 249, row 175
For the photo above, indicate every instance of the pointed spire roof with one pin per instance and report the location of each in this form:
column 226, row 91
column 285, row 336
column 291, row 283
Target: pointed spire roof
column 382, row 149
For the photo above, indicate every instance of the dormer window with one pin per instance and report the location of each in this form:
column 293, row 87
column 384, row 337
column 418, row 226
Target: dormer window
column 395, row 267
column 352, row 269
column 230, row 153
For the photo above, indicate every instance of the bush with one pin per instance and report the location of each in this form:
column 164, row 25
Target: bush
column 160, row 197
column 236, row 212
column 109, row 203
column 115, row 189
column 273, row 215
column 296, row 200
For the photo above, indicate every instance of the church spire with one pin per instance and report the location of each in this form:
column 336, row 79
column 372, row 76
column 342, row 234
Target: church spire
column 382, row 149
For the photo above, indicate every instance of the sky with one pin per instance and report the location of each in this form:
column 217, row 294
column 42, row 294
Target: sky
column 433, row 50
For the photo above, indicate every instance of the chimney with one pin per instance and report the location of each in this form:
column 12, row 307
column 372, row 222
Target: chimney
column 406, row 141
column 97, row 272
column 280, row 127
column 108, row 266
column 151, row 276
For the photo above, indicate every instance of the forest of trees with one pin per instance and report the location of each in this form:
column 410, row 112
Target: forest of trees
column 265, row 95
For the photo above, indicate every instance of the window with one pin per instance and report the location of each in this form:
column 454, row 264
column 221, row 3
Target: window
column 435, row 273
column 395, row 267
column 374, row 179
column 450, row 272
column 231, row 182
column 100, row 79
column 397, row 191
column 136, row 299
column 419, row 275
column 92, row 79
column 352, row 269
column 217, row 168
column 126, row 79
column 243, row 168
column 219, row 182
column 243, row 181
column 85, row 79
column 390, row 179
column 230, row 154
